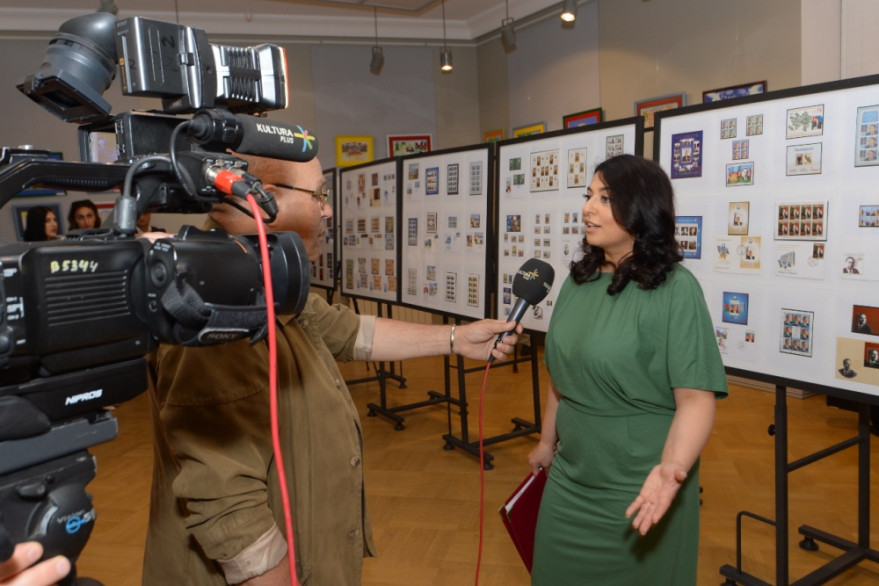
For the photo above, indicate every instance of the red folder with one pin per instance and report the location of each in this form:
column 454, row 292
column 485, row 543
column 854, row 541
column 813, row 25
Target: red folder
column 519, row 514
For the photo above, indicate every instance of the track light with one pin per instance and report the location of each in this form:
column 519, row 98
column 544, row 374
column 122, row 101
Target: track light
column 378, row 56
column 569, row 10
column 378, row 61
column 446, row 60
column 508, row 34
column 108, row 6
column 446, row 53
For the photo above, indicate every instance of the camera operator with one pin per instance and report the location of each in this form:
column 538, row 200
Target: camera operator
column 20, row 571
column 216, row 515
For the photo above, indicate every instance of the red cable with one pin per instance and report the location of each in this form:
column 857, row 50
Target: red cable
column 273, row 384
column 481, row 474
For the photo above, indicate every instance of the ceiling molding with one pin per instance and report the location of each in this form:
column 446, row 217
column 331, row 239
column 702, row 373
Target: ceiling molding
column 332, row 24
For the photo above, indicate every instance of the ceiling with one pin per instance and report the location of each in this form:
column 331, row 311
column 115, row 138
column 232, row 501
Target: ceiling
column 465, row 20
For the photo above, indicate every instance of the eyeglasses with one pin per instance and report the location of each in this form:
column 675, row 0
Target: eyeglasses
column 320, row 195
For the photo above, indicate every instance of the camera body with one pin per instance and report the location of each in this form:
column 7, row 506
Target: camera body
column 78, row 316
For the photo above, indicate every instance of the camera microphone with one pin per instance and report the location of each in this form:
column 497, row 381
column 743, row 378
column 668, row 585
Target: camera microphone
column 531, row 285
column 251, row 135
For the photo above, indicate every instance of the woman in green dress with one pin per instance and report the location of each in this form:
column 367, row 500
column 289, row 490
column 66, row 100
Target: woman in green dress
column 635, row 372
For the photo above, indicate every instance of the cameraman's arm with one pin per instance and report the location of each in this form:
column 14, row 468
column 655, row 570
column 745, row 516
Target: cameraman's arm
column 214, row 413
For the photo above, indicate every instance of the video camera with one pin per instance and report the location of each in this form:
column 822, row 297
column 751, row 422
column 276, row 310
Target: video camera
column 78, row 316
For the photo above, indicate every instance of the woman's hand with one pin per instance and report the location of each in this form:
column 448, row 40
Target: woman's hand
column 657, row 494
column 541, row 456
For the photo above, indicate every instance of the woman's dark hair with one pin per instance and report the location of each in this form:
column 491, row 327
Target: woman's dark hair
column 82, row 203
column 642, row 201
column 35, row 225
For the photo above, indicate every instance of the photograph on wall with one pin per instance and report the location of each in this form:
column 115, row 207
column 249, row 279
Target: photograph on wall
column 866, row 137
column 734, row 91
column 577, row 167
column 728, row 128
column 614, row 146
column 740, row 149
column 800, row 259
column 473, row 296
column 865, row 320
column 871, row 355
column 853, row 264
column 803, row 122
column 413, row 232
column 476, row 178
column 738, row 255
column 754, row 125
column 686, row 155
column 796, row 332
column 868, row 216
column 545, row 171
column 801, row 221
column 804, row 159
column 740, row 174
column 735, row 308
column 688, row 230
column 737, row 223
column 452, row 179
column 431, row 181
column 853, row 360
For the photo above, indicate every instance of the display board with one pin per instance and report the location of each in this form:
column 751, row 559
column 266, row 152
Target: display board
column 446, row 215
column 778, row 217
column 541, row 183
column 323, row 270
column 368, row 222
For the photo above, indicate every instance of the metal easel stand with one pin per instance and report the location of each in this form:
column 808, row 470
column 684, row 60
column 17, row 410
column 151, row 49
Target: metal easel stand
column 854, row 553
column 392, row 412
column 521, row 426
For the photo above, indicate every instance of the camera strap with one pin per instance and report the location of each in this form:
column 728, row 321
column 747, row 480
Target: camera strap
column 199, row 323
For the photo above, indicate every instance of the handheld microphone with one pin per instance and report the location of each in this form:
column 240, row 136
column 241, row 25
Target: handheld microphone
column 531, row 285
column 251, row 135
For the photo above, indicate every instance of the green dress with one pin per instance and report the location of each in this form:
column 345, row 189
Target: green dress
column 614, row 361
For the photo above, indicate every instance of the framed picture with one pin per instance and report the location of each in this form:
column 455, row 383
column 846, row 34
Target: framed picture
column 867, row 136
column 797, row 330
column 408, row 144
column 19, row 218
column 493, row 135
column 354, row 150
column 734, row 91
column 647, row 108
column 529, row 130
column 584, row 118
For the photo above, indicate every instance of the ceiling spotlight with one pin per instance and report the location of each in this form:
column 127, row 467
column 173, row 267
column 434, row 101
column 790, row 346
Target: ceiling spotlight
column 108, row 6
column 446, row 60
column 508, row 35
column 446, row 53
column 378, row 61
column 569, row 10
column 378, row 56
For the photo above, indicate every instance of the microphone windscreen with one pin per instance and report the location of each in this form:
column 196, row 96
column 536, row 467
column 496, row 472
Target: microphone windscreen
column 270, row 138
column 533, row 281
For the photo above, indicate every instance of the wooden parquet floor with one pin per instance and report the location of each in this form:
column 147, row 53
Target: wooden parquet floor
column 425, row 500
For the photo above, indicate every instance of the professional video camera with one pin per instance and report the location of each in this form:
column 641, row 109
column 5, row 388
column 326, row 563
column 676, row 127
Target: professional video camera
column 78, row 316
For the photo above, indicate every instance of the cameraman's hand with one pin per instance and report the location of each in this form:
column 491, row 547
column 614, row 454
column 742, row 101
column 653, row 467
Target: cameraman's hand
column 16, row 571
column 153, row 236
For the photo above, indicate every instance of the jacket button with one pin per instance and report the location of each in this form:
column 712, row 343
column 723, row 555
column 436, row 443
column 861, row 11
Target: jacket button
column 355, row 462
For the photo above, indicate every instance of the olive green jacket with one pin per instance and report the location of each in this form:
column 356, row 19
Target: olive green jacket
column 215, row 505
